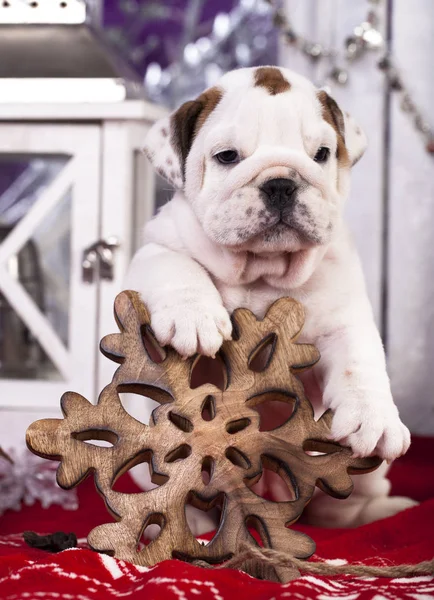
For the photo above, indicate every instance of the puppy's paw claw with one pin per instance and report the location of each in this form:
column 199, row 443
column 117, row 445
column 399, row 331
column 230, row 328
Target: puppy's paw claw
column 193, row 328
column 369, row 428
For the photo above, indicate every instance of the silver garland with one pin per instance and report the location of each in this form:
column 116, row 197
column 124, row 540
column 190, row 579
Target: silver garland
column 364, row 38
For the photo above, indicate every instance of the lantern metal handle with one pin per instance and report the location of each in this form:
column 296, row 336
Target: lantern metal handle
column 98, row 260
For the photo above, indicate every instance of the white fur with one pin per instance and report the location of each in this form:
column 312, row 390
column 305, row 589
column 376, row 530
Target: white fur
column 213, row 249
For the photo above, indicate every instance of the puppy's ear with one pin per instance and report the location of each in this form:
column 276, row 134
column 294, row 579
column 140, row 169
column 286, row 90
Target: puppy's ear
column 355, row 139
column 352, row 140
column 169, row 141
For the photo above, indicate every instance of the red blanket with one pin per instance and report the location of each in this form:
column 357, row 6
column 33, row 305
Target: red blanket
column 80, row 574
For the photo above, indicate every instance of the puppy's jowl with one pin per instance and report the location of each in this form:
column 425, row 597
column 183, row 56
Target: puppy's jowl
column 261, row 163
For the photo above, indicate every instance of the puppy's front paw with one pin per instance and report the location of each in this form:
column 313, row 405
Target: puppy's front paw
column 370, row 428
column 193, row 327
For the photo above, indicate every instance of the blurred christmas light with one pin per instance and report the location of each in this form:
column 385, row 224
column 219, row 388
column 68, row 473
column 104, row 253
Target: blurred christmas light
column 221, row 25
column 248, row 4
column 204, row 45
column 262, row 8
column 153, row 74
column 191, row 54
column 373, row 38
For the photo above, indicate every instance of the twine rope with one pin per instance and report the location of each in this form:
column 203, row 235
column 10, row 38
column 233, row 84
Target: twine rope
column 274, row 558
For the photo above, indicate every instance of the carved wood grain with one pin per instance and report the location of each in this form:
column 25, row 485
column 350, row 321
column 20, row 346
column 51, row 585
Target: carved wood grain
column 201, row 429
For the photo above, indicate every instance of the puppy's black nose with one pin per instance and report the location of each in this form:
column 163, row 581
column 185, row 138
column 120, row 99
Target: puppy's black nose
column 279, row 193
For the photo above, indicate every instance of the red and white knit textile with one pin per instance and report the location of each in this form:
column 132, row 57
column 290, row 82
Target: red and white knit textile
column 80, row 574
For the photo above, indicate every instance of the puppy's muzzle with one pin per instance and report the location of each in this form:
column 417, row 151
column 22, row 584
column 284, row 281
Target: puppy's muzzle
column 279, row 194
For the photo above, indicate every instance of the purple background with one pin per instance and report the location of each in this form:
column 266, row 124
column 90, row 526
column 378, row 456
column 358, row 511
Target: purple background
column 167, row 30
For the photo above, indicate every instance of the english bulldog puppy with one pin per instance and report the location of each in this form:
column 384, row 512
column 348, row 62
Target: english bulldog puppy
column 261, row 165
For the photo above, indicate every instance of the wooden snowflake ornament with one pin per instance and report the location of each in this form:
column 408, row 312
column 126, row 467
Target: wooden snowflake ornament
column 204, row 445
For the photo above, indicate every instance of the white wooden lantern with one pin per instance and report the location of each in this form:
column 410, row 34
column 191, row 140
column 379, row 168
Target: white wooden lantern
column 72, row 122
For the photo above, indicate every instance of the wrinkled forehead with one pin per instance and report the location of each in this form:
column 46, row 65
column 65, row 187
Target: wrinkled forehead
column 265, row 106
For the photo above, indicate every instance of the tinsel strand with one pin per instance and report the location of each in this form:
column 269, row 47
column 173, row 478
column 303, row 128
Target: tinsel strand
column 356, row 45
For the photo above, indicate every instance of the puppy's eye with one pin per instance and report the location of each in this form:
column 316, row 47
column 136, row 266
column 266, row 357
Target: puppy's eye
column 322, row 155
column 228, row 157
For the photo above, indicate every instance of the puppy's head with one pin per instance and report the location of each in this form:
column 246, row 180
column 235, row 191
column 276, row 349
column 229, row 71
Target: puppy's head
column 263, row 158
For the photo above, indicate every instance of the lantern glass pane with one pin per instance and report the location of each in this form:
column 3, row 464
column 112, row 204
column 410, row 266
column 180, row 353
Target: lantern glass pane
column 37, row 262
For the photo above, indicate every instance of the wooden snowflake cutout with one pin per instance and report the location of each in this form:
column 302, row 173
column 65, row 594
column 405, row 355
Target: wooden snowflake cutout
column 205, row 446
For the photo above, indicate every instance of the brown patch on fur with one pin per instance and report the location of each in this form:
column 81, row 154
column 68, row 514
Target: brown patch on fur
column 189, row 118
column 348, row 373
column 209, row 100
column 272, row 80
column 332, row 114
